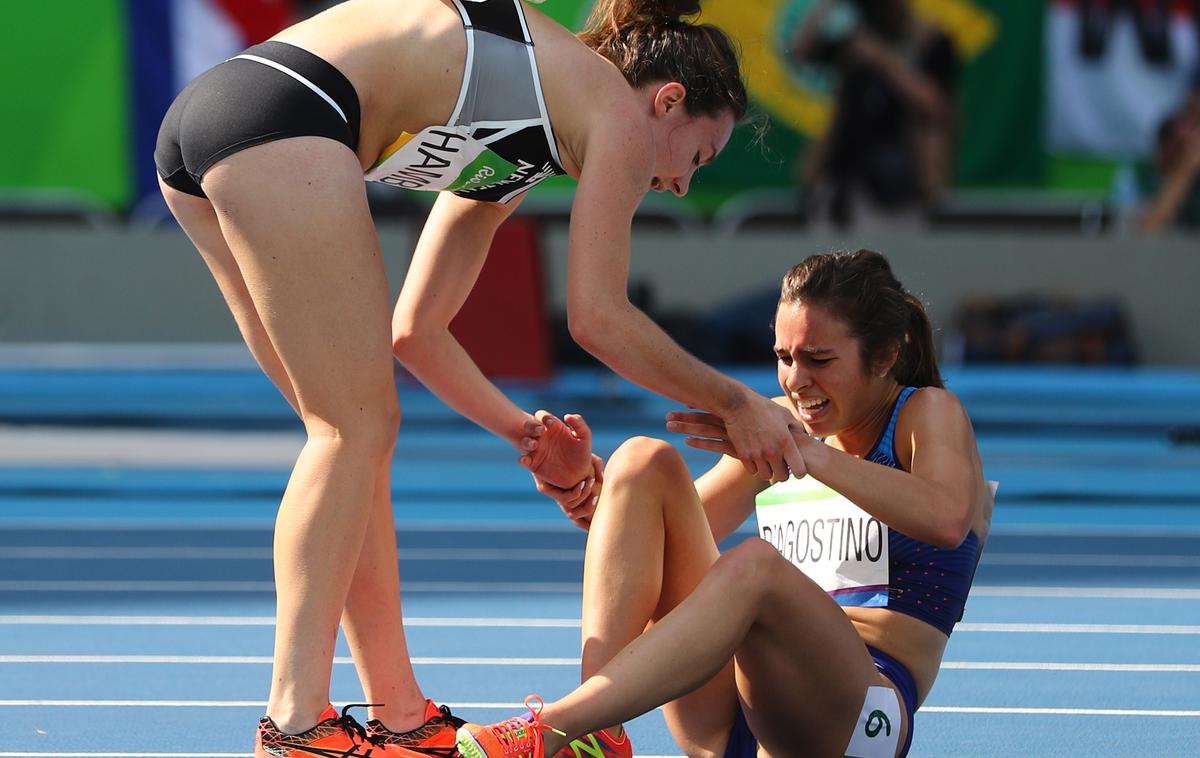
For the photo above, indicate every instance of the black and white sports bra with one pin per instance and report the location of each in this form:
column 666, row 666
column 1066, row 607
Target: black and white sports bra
column 498, row 142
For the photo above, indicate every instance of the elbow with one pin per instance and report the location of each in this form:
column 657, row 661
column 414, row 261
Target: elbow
column 586, row 326
column 953, row 529
column 406, row 342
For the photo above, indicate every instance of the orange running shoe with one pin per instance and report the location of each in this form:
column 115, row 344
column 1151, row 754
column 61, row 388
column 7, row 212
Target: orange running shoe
column 598, row 744
column 333, row 737
column 435, row 737
column 514, row 738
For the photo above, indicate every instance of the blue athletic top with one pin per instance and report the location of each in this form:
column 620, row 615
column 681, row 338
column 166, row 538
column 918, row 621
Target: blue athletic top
column 927, row 582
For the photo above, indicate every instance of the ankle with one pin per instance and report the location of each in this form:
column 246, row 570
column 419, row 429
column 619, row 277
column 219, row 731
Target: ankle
column 403, row 717
column 552, row 743
column 292, row 718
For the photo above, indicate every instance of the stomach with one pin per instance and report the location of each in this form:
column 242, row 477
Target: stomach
column 914, row 643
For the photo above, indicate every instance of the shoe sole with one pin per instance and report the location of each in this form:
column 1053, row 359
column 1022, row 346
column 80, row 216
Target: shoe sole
column 468, row 746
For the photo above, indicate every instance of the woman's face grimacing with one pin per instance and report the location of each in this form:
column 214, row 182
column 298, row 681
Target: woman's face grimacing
column 821, row 370
column 684, row 142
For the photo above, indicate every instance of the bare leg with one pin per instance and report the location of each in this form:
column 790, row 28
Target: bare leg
column 310, row 295
column 373, row 622
column 372, row 618
column 806, row 667
column 649, row 547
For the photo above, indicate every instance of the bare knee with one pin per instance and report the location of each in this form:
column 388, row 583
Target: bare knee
column 751, row 569
column 365, row 422
column 648, row 460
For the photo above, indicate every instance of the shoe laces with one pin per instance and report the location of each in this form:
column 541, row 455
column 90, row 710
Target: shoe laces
column 448, row 717
column 354, row 729
column 521, row 738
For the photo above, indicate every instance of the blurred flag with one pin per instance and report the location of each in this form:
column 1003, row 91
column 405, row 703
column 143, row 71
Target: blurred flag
column 1114, row 69
column 171, row 42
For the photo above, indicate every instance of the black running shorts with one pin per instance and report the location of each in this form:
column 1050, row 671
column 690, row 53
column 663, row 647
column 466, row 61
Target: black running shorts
column 269, row 92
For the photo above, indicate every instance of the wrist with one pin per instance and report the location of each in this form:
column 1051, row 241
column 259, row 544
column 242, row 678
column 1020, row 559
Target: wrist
column 732, row 398
column 815, row 452
column 518, row 430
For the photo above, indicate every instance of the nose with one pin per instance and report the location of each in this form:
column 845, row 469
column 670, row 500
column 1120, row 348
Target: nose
column 798, row 378
column 679, row 185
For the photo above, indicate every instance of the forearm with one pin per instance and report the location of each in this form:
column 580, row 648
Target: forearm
column 631, row 344
column 1166, row 204
column 437, row 359
column 917, row 507
column 910, row 84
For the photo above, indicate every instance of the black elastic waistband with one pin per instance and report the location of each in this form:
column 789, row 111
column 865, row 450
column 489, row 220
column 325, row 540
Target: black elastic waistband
column 317, row 70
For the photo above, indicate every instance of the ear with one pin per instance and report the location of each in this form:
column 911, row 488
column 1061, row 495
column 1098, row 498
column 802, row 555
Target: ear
column 669, row 97
column 885, row 361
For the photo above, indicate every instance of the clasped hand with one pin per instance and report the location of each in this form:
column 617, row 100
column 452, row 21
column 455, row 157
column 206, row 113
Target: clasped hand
column 766, row 441
column 562, row 463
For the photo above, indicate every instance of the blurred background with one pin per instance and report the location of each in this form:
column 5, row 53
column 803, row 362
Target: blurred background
column 1030, row 166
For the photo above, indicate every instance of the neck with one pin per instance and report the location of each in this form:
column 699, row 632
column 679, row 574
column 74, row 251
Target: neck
column 861, row 437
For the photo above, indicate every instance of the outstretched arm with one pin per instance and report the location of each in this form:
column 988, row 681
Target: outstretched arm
column 445, row 265
column 603, row 321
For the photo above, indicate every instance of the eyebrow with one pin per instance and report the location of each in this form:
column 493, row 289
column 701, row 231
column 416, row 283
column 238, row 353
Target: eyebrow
column 807, row 350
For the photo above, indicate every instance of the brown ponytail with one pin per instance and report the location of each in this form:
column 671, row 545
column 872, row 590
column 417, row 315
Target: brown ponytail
column 861, row 289
column 650, row 41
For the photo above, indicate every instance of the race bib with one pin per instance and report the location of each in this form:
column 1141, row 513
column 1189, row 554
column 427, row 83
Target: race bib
column 877, row 733
column 442, row 158
column 835, row 543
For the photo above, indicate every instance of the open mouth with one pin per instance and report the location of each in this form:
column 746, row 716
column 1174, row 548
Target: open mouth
column 811, row 408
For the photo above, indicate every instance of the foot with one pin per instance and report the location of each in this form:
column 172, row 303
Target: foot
column 436, row 737
column 598, row 744
column 514, row 738
column 333, row 735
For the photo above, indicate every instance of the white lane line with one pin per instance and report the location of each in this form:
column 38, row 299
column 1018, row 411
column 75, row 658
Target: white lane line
column 173, row 755
column 199, row 704
column 1142, row 668
column 928, row 709
column 223, row 553
column 1145, row 668
column 266, row 659
column 965, row 627
column 237, row 586
column 126, row 755
column 423, row 621
column 1107, row 593
column 220, row 553
column 1055, row 711
column 1003, row 628
column 264, row 554
column 1091, row 560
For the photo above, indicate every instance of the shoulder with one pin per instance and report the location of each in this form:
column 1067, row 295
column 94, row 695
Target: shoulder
column 933, row 409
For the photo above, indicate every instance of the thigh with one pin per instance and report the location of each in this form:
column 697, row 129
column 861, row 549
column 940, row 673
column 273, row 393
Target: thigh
column 199, row 221
column 294, row 214
column 802, row 672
